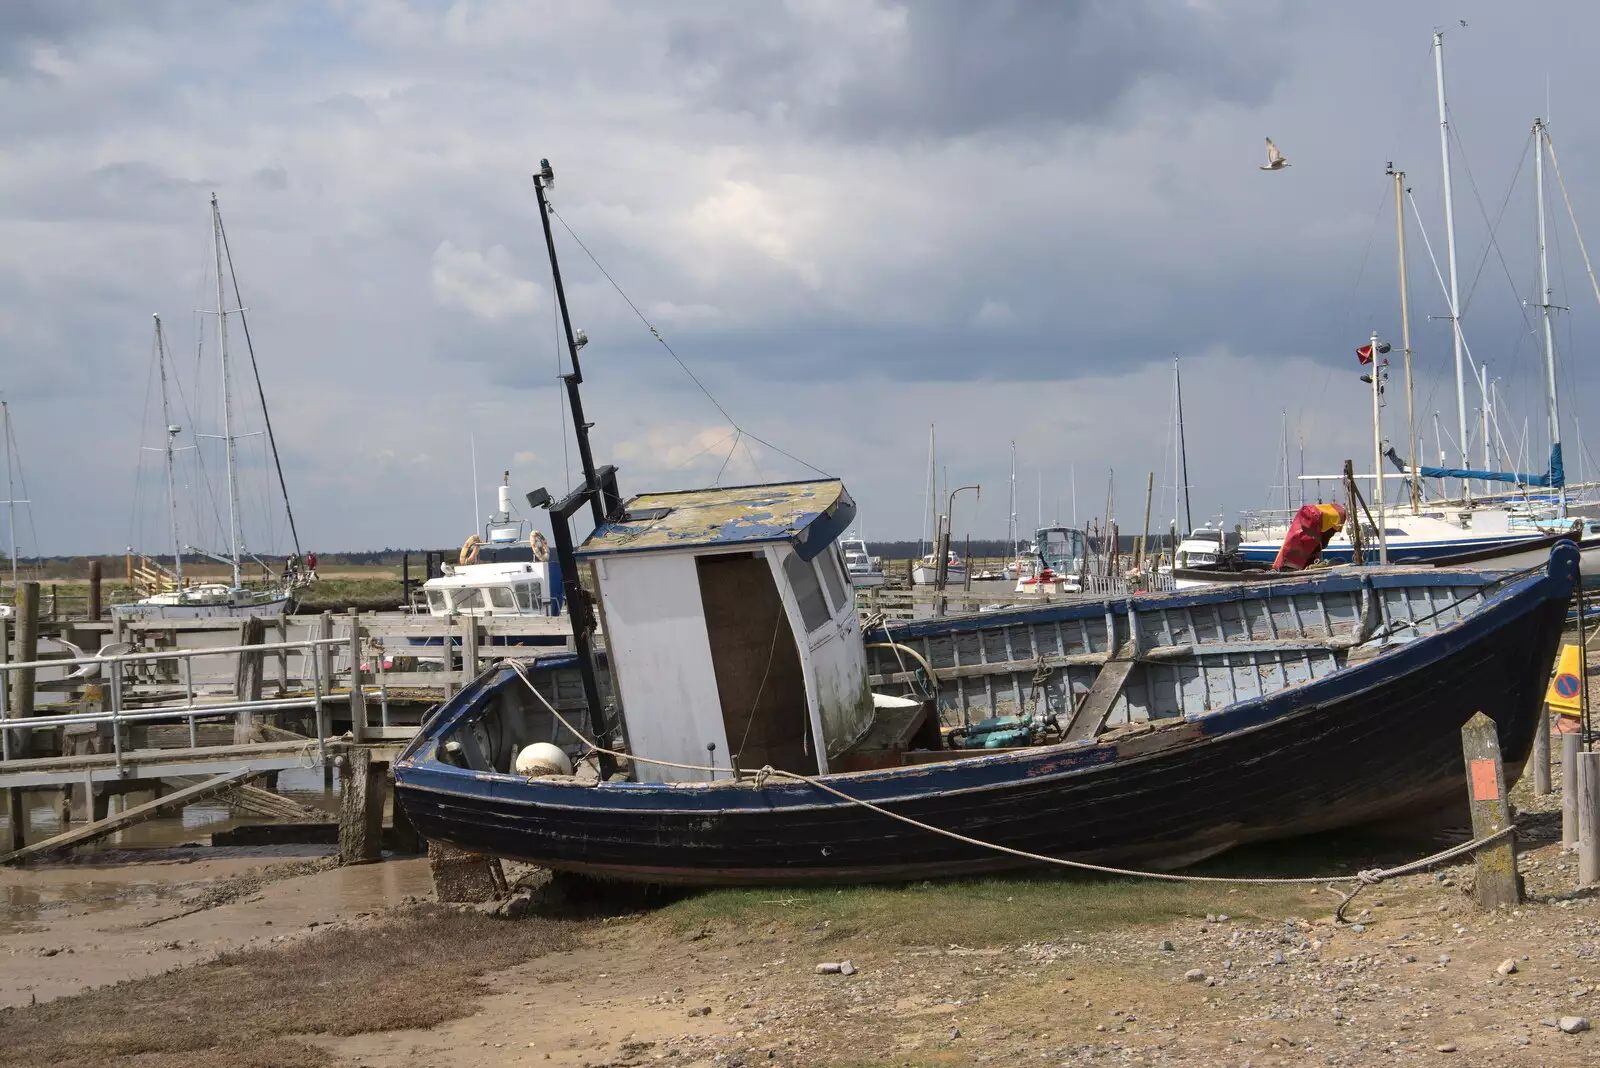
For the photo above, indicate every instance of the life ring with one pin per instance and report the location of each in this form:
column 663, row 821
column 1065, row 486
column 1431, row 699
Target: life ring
column 469, row 550
column 541, row 548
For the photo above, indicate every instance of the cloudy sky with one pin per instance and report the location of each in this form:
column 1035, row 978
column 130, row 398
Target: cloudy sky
column 850, row 218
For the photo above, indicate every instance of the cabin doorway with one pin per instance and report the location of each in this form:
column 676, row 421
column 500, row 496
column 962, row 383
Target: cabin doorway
column 759, row 677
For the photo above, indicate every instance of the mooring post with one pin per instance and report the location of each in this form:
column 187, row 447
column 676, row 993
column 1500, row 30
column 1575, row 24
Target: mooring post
column 1496, row 883
column 1570, row 747
column 282, row 625
column 361, row 807
column 93, row 611
column 324, row 655
column 22, row 679
column 1588, row 819
column 358, row 696
column 1541, row 754
column 469, row 647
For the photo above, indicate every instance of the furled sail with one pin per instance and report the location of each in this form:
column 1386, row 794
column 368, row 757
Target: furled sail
column 1556, row 476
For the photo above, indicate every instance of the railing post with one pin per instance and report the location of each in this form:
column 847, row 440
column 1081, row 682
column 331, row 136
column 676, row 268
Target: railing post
column 5, row 688
column 1588, row 819
column 1570, row 744
column 358, row 698
column 325, row 630
column 116, row 710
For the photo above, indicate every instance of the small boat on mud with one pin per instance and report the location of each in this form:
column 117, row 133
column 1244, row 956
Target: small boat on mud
column 746, row 718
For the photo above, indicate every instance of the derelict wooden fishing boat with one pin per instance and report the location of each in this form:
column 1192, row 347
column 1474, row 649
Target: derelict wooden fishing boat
column 1149, row 729
column 1244, row 713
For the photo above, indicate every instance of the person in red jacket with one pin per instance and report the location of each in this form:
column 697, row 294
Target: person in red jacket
column 1313, row 526
column 311, row 565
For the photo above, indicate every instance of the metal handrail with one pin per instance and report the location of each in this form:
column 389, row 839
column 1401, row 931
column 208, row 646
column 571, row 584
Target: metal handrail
column 113, row 667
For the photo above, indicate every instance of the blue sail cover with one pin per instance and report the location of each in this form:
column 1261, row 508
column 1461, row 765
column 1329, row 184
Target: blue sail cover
column 1555, row 477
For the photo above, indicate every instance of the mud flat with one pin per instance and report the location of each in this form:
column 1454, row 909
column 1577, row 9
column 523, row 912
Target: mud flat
column 279, row 961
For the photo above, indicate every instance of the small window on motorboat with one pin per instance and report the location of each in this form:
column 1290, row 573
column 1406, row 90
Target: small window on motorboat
column 437, row 603
column 807, row 590
column 501, row 597
column 528, row 596
column 468, row 599
column 828, row 564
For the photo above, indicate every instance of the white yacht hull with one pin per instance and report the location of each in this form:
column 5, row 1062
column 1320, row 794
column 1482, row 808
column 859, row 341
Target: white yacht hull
column 139, row 612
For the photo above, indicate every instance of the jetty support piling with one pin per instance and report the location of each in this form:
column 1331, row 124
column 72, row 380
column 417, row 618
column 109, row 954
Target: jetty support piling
column 247, row 674
column 94, row 590
column 23, row 679
column 1588, row 819
column 358, row 696
column 361, row 807
column 1570, row 746
column 1497, row 882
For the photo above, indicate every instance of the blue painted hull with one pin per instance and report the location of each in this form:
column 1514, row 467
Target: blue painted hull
column 1372, row 741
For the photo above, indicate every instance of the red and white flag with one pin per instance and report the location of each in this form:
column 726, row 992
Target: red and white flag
column 1364, row 353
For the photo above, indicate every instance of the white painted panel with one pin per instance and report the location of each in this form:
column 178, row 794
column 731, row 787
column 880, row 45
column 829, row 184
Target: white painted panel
column 658, row 647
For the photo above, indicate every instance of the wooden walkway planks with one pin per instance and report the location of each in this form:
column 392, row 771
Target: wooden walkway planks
column 112, row 824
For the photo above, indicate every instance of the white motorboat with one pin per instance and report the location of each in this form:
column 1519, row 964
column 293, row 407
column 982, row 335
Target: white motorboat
column 865, row 570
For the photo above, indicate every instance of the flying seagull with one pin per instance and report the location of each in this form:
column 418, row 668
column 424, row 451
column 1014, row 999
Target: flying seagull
column 1275, row 160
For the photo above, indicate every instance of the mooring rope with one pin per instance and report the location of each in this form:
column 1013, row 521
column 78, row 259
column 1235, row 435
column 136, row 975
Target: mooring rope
column 1361, row 879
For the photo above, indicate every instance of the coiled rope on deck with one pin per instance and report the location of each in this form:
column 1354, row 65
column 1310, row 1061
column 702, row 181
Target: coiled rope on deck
column 1361, row 879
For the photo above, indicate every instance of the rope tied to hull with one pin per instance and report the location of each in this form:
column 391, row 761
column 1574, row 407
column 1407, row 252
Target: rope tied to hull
column 759, row 779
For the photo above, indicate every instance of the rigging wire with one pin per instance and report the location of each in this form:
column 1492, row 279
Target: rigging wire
column 676, row 358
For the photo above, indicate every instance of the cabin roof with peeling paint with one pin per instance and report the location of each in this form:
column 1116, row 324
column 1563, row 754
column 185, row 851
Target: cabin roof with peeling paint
column 809, row 514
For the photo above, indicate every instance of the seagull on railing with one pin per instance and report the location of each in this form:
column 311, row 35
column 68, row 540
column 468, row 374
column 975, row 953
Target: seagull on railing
column 1275, row 160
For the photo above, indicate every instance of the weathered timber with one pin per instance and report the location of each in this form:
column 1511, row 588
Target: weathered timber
column 23, row 679
column 1496, row 883
column 1570, row 747
column 460, row 875
column 1540, row 760
column 94, row 608
column 16, row 820
column 361, row 807
column 1091, row 714
column 127, row 817
column 247, row 674
column 358, row 696
column 247, row 800
column 1588, row 819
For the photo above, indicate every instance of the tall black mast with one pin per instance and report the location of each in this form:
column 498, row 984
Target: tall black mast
column 599, row 491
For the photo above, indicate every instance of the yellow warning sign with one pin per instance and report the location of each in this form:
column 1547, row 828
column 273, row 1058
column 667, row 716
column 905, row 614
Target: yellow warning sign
column 1563, row 695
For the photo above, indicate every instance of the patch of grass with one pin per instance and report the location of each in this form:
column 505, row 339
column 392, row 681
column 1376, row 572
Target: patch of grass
column 247, row 1009
column 977, row 912
column 338, row 594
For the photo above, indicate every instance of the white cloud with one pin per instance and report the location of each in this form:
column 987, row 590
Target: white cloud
column 994, row 313
column 483, row 284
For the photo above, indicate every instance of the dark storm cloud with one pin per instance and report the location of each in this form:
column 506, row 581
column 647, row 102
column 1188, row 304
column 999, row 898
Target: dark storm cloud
column 959, row 68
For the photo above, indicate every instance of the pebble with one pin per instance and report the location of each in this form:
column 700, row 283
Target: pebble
column 1573, row 1024
column 1444, row 958
column 704, row 1010
column 1446, row 1047
column 1194, row 975
column 1165, row 945
column 1507, row 967
column 1359, row 928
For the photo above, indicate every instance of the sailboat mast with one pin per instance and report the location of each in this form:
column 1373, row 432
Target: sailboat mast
column 11, row 489
column 1288, row 511
column 169, row 432
column 1552, row 410
column 1405, row 334
column 1011, row 511
column 227, row 397
column 1183, row 451
column 1450, row 242
column 928, row 504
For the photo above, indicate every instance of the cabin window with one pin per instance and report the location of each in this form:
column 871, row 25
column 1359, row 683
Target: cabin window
column 436, row 602
column 500, row 597
column 527, row 597
column 468, row 599
column 807, row 590
column 828, row 564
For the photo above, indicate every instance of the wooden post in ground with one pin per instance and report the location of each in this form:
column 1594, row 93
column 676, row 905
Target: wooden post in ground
column 469, row 647
column 358, row 696
column 1570, row 744
column 1541, row 754
column 1588, row 819
column 22, row 679
column 93, row 611
column 55, row 602
column 1496, row 883
column 247, row 675
column 361, row 807
column 282, row 625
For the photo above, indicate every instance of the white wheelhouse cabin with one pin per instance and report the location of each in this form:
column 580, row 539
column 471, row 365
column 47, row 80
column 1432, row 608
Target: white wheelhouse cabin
column 731, row 627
